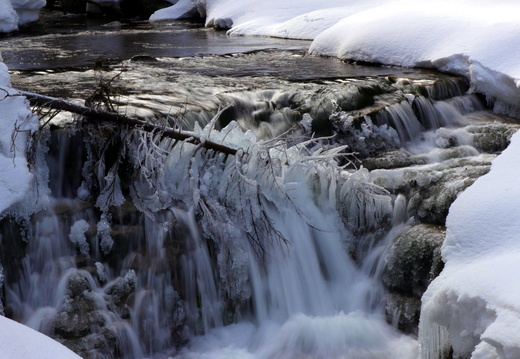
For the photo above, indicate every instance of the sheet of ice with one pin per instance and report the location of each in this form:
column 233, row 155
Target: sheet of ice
column 20, row 342
column 475, row 303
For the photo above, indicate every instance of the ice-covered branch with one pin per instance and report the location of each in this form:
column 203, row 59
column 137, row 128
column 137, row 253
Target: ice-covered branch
column 141, row 123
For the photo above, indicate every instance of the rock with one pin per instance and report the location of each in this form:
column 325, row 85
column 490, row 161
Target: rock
column 77, row 312
column 412, row 262
column 403, row 311
column 414, row 259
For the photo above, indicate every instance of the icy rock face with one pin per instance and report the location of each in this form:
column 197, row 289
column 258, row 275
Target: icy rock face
column 414, row 259
column 412, row 262
column 86, row 319
column 431, row 189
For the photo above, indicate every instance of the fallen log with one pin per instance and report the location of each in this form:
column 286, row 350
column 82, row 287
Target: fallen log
column 140, row 123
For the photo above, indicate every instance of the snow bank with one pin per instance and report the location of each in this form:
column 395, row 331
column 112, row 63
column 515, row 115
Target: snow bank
column 301, row 19
column 18, row 12
column 17, row 122
column 20, row 342
column 8, row 17
column 478, row 39
column 474, row 305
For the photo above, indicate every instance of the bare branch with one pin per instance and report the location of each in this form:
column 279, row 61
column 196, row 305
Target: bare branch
column 137, row 122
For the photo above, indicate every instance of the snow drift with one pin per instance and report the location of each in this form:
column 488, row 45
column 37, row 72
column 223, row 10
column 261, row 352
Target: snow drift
column 18, row 12
column 473, row 305
column 20, row 342
column 17, row 122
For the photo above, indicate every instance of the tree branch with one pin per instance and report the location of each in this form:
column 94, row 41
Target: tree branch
column 141, row 123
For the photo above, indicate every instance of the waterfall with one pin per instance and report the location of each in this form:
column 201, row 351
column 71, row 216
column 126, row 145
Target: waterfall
column 165, row 249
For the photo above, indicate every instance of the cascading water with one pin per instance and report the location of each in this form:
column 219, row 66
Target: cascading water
column 277, row 252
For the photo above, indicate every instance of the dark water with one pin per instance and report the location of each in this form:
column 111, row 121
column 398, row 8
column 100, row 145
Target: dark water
column 65, row 41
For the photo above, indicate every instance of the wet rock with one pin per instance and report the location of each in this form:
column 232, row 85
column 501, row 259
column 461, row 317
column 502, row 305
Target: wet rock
column 122, row 288
column 74, row 6
column 2, row 300
column 414, row 259
column 78, row 311
column 431, row 189
column 403, row 311
column 492, row 138
column 412, row 262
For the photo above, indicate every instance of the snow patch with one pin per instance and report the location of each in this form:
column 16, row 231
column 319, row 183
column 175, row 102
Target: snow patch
column 18, row 12
column 20, row 342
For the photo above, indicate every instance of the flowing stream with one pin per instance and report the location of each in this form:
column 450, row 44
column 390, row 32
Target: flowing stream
column 298, row 247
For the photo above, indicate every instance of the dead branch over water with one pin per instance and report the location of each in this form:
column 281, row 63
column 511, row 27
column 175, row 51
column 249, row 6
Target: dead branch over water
column 136, row 122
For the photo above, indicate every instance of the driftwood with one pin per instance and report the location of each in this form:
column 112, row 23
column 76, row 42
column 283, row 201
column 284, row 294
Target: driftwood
column 140, row 123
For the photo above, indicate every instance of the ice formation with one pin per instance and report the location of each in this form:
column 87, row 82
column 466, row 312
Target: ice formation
column 77, row 236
